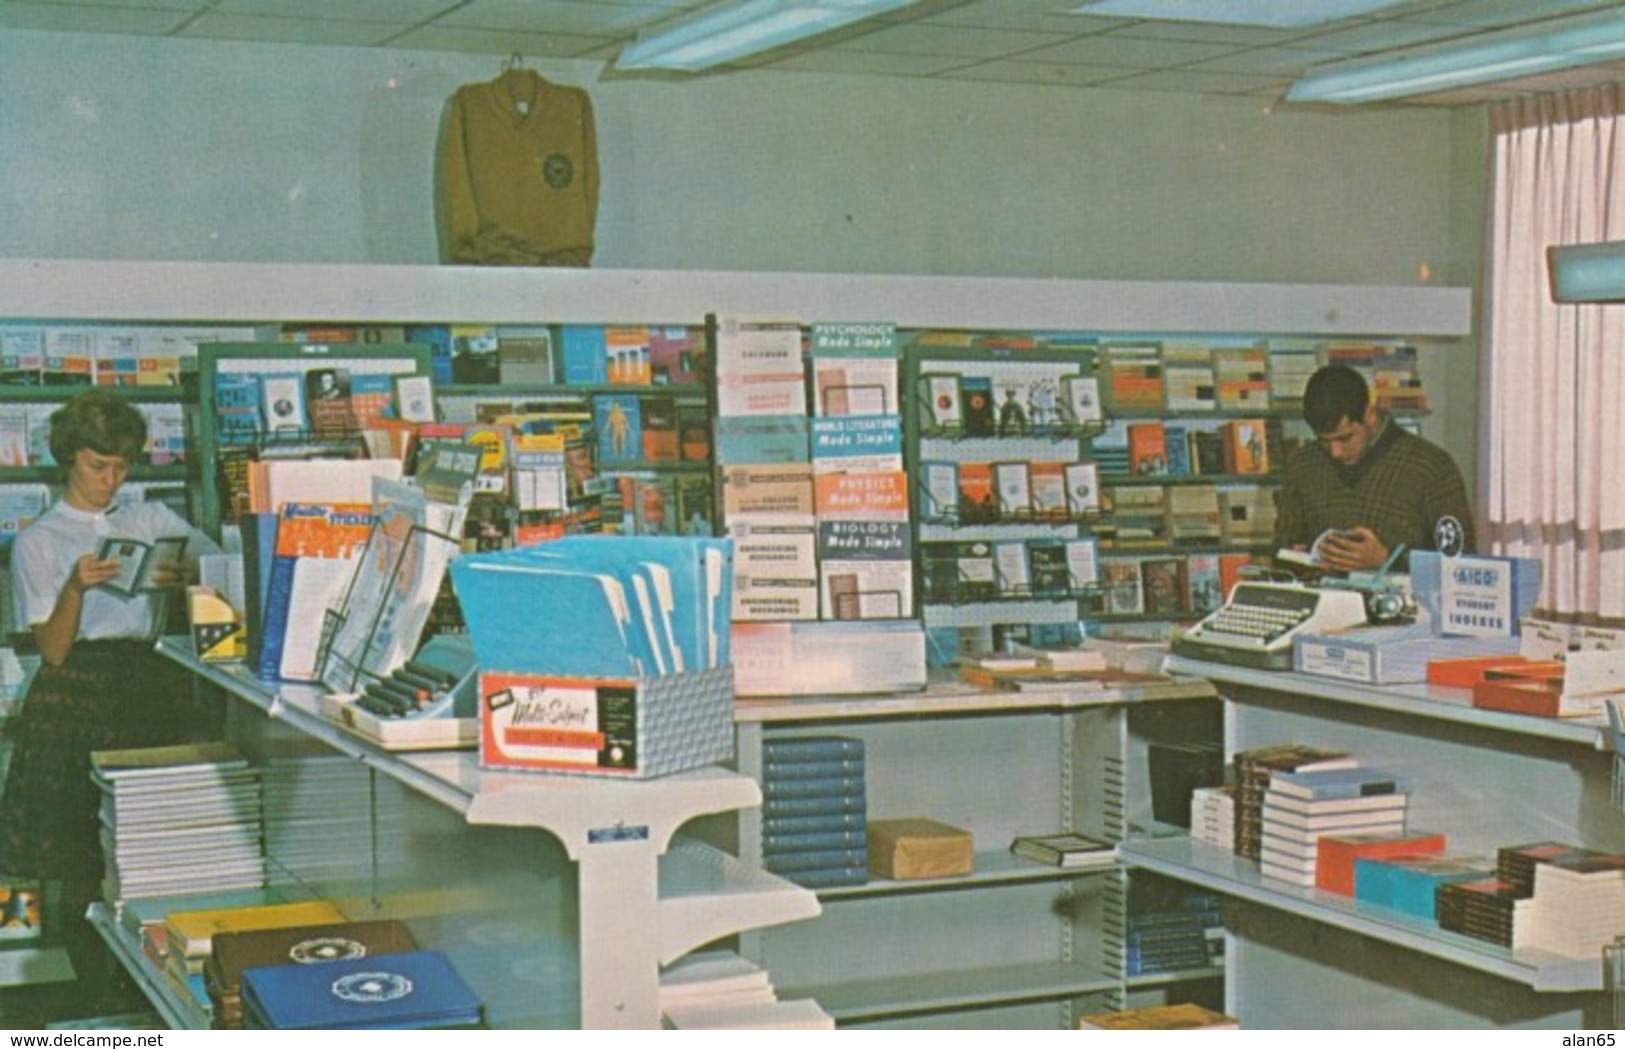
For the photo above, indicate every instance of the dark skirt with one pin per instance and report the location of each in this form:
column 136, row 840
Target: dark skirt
column 109, row 695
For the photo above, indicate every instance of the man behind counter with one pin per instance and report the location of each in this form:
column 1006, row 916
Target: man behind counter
column 1369, row 485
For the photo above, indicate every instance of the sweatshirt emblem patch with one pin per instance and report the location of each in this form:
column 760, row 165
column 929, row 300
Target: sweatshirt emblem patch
column 557, row 171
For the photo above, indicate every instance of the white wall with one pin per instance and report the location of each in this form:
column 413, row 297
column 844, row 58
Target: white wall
column 179, row 149
column 137, row 148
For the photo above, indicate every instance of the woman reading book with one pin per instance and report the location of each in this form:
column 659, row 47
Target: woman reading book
column 100, row 685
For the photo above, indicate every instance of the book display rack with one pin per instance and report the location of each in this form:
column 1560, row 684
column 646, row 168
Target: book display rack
column 454, row 850
column 1014, row 943
column 1484, row 779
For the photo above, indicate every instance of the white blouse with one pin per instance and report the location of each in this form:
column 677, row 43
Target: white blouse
column 45, row 552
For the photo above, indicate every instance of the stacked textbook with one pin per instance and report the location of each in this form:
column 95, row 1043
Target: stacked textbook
column 1301, row 807
column 718, row 990
column 814, row 810
column 233, row 953
column 178, row 819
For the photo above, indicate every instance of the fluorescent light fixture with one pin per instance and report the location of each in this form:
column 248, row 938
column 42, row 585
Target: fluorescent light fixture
column 1588, row 272
column 1272, row 14
column 1561, row 43
column 726, row 31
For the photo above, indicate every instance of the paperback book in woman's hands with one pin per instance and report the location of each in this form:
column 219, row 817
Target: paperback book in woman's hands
column 141, row 561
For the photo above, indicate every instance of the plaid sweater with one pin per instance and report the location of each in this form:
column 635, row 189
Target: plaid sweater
column 1400, row 489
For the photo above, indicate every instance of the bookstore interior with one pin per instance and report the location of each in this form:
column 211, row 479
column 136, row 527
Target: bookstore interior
column 587, row 617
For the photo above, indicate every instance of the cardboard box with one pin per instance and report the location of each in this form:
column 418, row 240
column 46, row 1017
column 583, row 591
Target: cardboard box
column 901, row 849
column 1388, row 655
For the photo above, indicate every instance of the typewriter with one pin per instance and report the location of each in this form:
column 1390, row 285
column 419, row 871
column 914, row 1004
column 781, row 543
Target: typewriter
column 1255, row 627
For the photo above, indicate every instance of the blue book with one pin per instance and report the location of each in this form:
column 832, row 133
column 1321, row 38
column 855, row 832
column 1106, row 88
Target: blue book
column 816, row 841
column 779, row 769
column 819, row 859
column 1337, row 784
column 438, row 338
column 411, row 990
column 812, row 748
column 816, row 823
column 818, row 787
column 833, row 878
column 618, row 418
column 1411, row 884
column 583, row 354
column 815, row 805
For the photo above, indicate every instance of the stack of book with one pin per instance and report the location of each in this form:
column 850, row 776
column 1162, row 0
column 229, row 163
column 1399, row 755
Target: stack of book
column 189, row 935
column 1302, row 806
column 1484, row 908
column 1134, row 375
column 718, row 990
column 178, row 819
column 1572, row 898
column 814, row 810
column 1253, row 770
column 1241, row 375
column 412, row 990
column 233, row 953
column 314, row 828
column 1213, row 816
column 1182, row 933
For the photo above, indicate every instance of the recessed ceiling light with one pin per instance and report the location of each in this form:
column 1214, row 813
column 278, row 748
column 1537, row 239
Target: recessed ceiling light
column 1273, row 14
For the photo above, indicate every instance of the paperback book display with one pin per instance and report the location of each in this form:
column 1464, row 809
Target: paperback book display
column 178, row 819
column 1300, row 806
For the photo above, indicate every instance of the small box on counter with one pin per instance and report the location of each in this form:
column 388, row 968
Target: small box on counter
column 901, row 849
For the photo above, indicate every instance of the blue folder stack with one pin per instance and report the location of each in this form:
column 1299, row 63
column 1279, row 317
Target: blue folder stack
column 814, row 812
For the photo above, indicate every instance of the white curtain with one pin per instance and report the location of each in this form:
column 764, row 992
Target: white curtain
column 1553, row 437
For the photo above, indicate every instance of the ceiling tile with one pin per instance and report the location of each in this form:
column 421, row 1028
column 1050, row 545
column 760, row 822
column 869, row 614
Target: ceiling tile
column 1036, row 73
column 557, row 16
column 1203, row 33
column 287, row 30
column 498, row 42
column 1113, row 50
column 861, row 63
column 1188, row 81
column 916, row 39
column 1288, row 61
column 129, row 21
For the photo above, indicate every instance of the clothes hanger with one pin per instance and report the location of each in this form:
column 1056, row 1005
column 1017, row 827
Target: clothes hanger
column 519, row 82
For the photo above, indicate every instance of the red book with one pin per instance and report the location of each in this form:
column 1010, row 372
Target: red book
column 1335, row 859
column 1147, row 448
column 1469, row 670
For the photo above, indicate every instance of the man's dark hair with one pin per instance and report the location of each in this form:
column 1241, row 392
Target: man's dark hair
column 99, row 420
column 1335, row 392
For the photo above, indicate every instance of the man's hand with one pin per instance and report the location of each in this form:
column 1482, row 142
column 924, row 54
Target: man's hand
column 1352, row 550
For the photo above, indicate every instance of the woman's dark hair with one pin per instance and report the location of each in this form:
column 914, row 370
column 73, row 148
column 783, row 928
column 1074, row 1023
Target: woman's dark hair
column 100, row 420
column 1334, row 393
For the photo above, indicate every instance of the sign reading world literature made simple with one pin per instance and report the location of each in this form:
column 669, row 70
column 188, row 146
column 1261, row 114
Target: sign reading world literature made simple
column 1478, row 597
